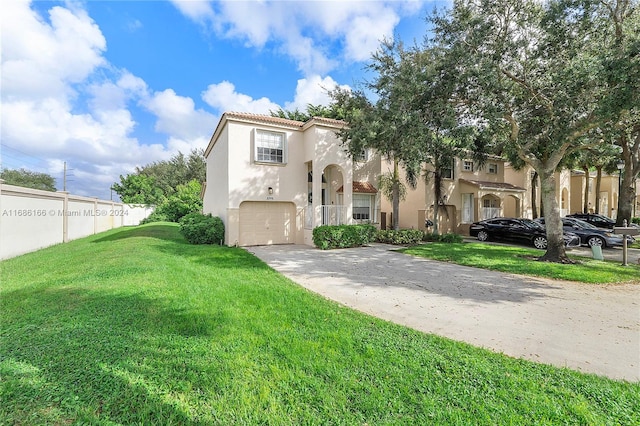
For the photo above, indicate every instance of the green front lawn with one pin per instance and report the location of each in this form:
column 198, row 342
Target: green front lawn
column 522, row 260
column 134, row 326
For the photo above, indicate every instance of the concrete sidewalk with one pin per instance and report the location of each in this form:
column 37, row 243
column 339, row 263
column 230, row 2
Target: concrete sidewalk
column 586, row 327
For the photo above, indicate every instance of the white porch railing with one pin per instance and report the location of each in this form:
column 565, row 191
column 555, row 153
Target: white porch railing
column 490, row 212
column 334, row 215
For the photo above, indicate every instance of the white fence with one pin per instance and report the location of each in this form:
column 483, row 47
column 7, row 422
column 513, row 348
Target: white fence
column 31, row 219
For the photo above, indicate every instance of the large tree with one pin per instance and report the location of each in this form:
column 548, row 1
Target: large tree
column 617, row 23
column 173, row 186
column 155, row 182
column 28, row 179
column 528, row 77
column 386, row 124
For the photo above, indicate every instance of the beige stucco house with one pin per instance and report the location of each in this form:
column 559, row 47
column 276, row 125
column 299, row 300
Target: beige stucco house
column 273, row 180
column 470, row 193
column 607, row 201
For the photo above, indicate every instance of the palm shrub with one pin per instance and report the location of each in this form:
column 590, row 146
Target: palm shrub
column 343, row 236
column 200, row 228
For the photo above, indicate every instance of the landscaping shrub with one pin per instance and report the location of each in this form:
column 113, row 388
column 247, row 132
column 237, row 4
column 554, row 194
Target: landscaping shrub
column 635, row 220
column 400, row 237
column 442, row 238
column 200, row 228
column 343, row 236
column 155, row 217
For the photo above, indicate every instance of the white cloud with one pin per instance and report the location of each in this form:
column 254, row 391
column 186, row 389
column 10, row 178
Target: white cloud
column 223, row 97
column 312, row 90
column 62, row 101
column 44, row 59
column 178, row 118
column 305, row 31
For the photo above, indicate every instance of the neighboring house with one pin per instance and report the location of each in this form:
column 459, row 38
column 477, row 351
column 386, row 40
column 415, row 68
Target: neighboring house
column 470, row 193
column 607, row 201
column 273, row 180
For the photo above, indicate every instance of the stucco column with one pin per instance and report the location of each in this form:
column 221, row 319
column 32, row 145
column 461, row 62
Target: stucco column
column 347, row 178
column 316, row 189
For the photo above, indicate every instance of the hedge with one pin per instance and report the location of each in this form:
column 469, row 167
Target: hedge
column 200, row 228
column 343, row 236
column 400, row 237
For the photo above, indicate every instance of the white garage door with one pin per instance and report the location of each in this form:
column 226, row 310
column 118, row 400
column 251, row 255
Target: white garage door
column 263, row 223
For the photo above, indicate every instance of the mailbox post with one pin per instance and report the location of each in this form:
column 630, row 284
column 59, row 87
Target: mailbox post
column 625, row 230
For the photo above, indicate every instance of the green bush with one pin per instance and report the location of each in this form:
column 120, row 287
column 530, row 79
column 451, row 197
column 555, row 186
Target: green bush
column 442, row 238
column 155, row 216
column 200, row 228
column 635, row 220
column 451, row 238
column 400, row 237
column 343, row 236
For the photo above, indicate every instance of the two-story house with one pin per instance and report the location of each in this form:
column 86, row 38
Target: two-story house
column 469, row 193
column 273, row 180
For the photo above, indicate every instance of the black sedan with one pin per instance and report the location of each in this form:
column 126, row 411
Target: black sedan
column 597, row 220
column 517, row 230
column 589, row 234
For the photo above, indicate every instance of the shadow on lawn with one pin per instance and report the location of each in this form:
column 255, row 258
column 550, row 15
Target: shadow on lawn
column 73, row 355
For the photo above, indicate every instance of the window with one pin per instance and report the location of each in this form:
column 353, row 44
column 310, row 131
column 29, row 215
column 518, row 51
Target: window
column 447, row 172
column 362, row 206
column 361, row 156
column 270, row 147
column 493, row 168
column 467, row 166
column 467, row 208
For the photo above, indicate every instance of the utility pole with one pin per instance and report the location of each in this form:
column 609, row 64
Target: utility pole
column 64, row 177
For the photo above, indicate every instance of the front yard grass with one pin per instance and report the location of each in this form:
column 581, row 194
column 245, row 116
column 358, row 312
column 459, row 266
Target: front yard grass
column 522, row 260
column 135, row 326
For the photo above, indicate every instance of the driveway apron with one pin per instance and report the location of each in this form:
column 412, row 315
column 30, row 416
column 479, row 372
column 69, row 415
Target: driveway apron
column 585, row 327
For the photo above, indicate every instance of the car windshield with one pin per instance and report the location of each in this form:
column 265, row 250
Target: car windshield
column 531, row 224
column 581, row 224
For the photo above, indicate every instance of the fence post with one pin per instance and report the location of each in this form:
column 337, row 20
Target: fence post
column 65, row 216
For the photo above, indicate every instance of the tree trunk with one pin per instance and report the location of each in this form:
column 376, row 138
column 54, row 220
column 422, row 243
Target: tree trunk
column 437, row 196
column 534, row 195
column 396, row 195
column 553, row 223
column 626, row 198
column 598, row 182
column 585, row 204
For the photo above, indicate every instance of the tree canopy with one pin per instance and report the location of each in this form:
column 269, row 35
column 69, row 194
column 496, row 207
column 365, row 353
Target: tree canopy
column 173, row 186
column 28, row 179
column 533, row 77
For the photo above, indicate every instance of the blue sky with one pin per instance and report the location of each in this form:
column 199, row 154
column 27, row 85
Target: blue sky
column 106, row 86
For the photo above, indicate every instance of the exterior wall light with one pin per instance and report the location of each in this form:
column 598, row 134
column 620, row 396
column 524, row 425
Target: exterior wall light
column 270, row 191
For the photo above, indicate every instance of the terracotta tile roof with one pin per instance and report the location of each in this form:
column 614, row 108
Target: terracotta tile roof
column 501, row 186
column 264, row 118
column 361, row 188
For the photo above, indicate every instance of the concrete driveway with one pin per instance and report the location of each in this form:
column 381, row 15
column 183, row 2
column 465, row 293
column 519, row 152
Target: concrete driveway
column 586, row 327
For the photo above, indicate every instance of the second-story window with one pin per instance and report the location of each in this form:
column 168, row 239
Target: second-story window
column 467, row 166
column 270, row 147
column 362, row 156
column 493, row 168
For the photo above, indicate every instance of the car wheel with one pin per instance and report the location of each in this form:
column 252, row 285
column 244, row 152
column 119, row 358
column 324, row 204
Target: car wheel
column 540, row 242
column 483, row 235
column 595, row 242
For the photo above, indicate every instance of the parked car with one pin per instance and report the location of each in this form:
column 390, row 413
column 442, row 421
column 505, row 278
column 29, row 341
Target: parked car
column 595, row 219
column 517, row 230
column 589, row 234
